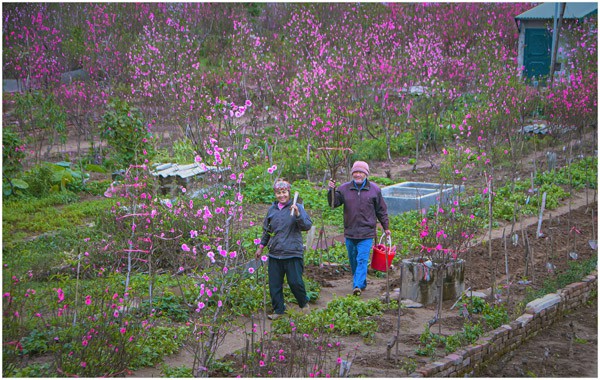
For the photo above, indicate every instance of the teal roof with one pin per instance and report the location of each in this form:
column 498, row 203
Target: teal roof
column 546, row 11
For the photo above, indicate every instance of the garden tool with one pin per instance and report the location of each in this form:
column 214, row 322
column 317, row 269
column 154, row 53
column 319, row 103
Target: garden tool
column 293, row 204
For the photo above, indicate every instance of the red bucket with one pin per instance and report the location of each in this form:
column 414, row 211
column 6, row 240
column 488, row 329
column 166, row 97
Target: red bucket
column 383, row 256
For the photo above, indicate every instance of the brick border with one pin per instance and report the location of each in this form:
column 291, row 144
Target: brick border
column 539, row 314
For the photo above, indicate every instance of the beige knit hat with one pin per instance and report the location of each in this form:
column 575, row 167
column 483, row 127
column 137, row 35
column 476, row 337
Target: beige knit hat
column 360, row 166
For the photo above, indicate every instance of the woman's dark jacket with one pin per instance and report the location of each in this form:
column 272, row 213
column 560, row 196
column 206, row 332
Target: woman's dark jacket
column 282, row 233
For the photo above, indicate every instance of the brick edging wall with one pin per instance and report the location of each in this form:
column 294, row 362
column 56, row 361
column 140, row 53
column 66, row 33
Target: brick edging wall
column 539, row 314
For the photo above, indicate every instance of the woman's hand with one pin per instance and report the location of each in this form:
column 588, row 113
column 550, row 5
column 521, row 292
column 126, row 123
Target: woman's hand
column 295, row 210
column 259, row 251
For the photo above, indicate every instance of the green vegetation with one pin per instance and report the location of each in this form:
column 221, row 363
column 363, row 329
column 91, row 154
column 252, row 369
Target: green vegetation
column 344, row 316
column 127, row 135
column 430, row 341
column 577, row 270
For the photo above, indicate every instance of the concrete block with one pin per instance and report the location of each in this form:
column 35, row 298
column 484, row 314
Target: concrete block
column 407, row 196
column 537, row 305
column 524, row 320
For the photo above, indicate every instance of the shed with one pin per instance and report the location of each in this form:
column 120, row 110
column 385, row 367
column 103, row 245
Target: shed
column 535, row 35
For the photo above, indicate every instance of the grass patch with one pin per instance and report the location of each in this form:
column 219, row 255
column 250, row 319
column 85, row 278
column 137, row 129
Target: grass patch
column 56, row 212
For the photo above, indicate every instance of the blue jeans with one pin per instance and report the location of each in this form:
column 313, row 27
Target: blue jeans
column 359, row 251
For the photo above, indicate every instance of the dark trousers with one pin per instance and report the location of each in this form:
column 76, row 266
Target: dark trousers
column 291, row 268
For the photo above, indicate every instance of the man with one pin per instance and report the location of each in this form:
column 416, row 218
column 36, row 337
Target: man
column 363, row 207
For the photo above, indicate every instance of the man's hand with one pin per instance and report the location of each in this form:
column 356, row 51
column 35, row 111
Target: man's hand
column 259, row 251
column 332, row 184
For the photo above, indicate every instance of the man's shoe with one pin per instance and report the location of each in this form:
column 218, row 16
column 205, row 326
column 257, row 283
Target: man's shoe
column 274, row 316
column 356, row 291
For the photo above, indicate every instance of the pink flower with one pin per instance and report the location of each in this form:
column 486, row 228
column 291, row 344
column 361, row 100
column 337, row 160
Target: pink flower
column 84, row 343
column 185, row 247
column 123, row 330
column 264, row 258
column 88, row 300
column 61, row 294
column 83, row 364
column 251, row 270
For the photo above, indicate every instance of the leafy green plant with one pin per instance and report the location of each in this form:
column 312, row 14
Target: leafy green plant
column 344, row 316
column 35, row 343
column 576, row 271
column 494, row 316
column 41, row 118
column 126, row 133
column 334, row 254
column 221, row 367
column 34, row 370
column 176, row 372
column 404, row 225
column 160, row 342
column 428, row 343
column 382, row 181
column 13, row 154
column 169, row 306
column 39, row 180
column 181, row 152
column 65, row 178
column 579, row 174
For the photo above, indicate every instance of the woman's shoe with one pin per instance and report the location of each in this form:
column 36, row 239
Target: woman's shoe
column 274, row 316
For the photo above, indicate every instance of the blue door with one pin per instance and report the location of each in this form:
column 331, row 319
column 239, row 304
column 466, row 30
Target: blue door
column 536, row 56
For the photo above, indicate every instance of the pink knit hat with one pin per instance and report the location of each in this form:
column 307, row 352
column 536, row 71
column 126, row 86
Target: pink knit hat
column 360, row 166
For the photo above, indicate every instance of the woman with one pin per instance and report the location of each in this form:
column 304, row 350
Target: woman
column 282, row 234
